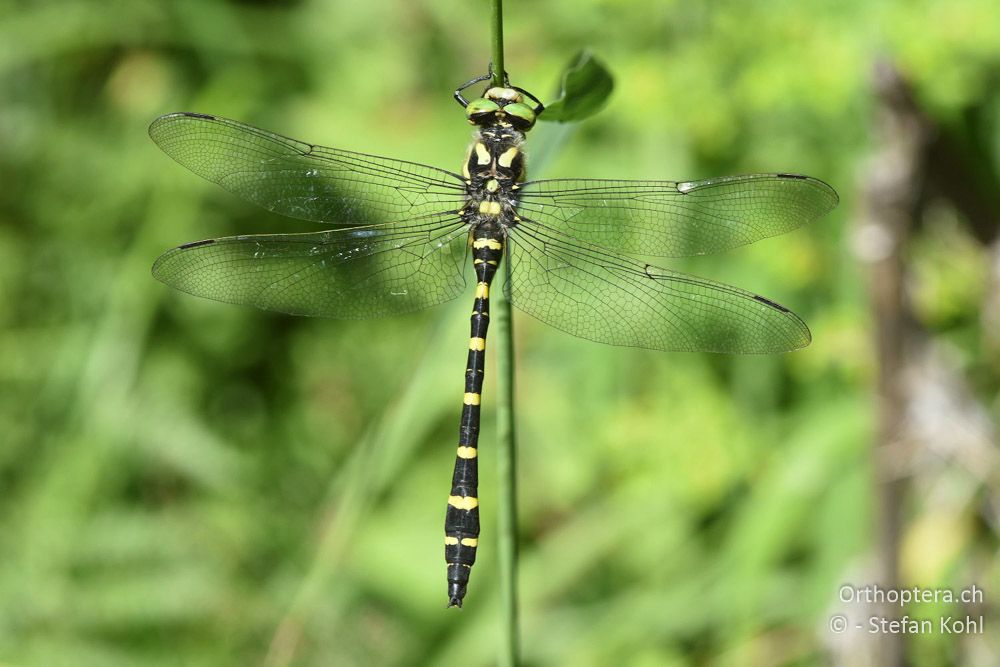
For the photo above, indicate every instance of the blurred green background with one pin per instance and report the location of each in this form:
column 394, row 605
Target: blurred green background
column 187, row 482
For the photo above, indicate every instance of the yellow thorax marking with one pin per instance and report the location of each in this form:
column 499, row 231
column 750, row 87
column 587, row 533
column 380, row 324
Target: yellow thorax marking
column 477, row 343
column 465, row 164
column 482, row 154
column 482, row 291
column 492, row 244
column 463, row 502
column 471, row 399
column 467, row 452
column 470, row 542
column 507, row 157
column 492, row 185
column 487, row 207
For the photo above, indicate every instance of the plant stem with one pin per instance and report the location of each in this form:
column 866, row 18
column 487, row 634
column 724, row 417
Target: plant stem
column 498, row 43
column 506, row 445
column 506, row 484
column 506, row 451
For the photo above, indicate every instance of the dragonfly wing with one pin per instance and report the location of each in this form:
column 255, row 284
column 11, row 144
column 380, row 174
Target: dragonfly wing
column 303, row 180
column 677, row 219
column 354, row 273
column 591, row 293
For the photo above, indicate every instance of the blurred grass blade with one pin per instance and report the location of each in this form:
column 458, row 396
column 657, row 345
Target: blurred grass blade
column 585, row 88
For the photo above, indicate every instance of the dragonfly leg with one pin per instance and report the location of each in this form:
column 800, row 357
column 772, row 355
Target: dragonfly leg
column 471, row 82
column 539, row 107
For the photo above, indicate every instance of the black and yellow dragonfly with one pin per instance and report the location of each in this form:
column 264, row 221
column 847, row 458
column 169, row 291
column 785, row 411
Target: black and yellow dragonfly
column 398, row 237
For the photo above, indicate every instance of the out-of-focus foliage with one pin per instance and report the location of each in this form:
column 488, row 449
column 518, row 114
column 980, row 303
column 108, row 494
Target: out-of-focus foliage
column 185, row 482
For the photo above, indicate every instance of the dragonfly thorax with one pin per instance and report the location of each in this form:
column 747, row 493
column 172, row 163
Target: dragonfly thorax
column 494, row 155
column 494, row 165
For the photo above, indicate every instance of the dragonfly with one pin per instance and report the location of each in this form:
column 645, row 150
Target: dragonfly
column 397, row 236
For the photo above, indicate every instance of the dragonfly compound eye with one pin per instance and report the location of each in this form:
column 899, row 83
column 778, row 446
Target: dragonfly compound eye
column 521, row 115
column 481, row 110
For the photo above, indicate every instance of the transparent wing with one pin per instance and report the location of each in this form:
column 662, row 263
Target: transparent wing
column 303, row 180
column 354, row 273
column 591, row 293
column 677, row 219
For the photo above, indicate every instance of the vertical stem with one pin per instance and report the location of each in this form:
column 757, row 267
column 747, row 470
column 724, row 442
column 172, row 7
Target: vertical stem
column 497, row 42
column 506, row 450
column 506, row 483
column 892, row 200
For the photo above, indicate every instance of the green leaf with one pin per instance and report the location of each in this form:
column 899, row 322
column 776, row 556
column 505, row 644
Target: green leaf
column 586, row 86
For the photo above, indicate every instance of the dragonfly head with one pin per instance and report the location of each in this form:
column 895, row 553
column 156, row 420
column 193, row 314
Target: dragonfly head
column 501, row 105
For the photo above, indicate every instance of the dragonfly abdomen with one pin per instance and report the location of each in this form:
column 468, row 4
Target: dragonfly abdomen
column 461, row 524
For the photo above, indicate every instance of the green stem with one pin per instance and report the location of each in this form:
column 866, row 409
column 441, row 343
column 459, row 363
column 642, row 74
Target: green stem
column 498, row 43
column 507, row 484
column 506, row 446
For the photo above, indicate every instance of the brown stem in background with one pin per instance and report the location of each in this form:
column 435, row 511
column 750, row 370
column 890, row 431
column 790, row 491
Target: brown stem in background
column 915, row 159
column 892, row 196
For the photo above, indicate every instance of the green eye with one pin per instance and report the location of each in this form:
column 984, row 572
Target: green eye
column 480, row 107
column 524, row 115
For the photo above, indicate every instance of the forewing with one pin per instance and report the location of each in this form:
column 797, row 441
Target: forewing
column 355, row 273
column 677, row 219
column 303, row 180
column 597, row 295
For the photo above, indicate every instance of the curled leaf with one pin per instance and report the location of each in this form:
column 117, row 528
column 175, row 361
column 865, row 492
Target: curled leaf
column 585, row 88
